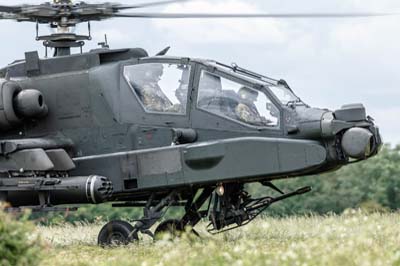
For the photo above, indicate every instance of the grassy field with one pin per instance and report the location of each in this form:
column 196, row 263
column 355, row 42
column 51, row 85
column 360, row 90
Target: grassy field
column 351, row 239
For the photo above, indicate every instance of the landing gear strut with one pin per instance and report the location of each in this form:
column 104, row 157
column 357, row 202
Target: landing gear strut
column 119, row 232
column 173, row 227
column 116, row 232
column 192, row 216
column 226, row 211
column 236, row 208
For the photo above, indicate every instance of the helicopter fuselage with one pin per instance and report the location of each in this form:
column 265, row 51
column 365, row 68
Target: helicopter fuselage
column 97, row 117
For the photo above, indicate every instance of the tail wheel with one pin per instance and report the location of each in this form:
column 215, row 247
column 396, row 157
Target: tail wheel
column 172, row 227
column 116, row 233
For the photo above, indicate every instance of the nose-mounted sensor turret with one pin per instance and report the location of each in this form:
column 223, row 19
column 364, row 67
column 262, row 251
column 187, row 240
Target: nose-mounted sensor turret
column 352, row 133
column 358, row 143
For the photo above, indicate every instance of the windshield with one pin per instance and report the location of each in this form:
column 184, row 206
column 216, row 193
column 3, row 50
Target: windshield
column 284, row 94
column 161, row 88
column 236, row 101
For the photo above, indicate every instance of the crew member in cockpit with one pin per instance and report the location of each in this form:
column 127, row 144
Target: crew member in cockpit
column 246, row 110
column 150, row 93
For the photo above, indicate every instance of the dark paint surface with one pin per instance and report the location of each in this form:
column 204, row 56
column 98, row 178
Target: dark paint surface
column 92, row 104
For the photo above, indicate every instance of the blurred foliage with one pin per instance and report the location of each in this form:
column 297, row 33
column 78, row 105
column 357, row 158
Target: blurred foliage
column 373, row 185
column 18, row 247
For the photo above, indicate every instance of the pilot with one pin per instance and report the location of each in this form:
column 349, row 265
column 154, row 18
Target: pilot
column 150, row 92
column 246, row 110
column 210, row 88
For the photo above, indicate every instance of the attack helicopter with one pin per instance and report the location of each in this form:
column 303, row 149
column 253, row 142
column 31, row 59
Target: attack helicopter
column 120, row 126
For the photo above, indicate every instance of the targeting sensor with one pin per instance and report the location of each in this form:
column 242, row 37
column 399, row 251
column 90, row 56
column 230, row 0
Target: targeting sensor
column 358, row 143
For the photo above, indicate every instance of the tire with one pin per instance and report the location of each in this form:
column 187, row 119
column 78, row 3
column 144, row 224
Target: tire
column 116, row 233
column 172, row 227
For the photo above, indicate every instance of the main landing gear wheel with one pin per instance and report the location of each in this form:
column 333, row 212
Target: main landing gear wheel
column 116, row 233
column 172, row 227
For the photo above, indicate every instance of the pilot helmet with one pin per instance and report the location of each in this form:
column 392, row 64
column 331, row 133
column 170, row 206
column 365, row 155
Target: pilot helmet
column 248, row 94
column 154, row 72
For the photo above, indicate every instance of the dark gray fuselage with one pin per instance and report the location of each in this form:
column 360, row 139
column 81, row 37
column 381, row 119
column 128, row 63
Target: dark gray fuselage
column 92, row 105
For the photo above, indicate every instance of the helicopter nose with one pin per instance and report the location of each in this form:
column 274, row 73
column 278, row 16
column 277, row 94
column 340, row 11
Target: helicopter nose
column 347, row 130
column 360, row 137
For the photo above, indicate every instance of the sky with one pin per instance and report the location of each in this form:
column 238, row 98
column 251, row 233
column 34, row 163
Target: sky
column 327, row 62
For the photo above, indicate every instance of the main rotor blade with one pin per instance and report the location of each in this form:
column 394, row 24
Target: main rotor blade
column 293, row 15
column 151, row 4
column 10, row 9
column 7, row 16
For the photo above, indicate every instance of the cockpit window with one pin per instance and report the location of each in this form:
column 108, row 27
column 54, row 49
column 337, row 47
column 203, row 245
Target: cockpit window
column 160, row 87
column 284, row 94
column 236, row 101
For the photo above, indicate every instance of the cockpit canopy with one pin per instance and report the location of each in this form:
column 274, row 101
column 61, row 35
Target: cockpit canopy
column 279, row 88
column 160, row 87
column 241, row 96
column 235, row 100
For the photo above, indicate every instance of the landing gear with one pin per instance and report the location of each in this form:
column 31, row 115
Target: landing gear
column 236, row 208
column 192, row 216
column 123, row 233
column 172, row 227
column 229, row 207
column 116, row 233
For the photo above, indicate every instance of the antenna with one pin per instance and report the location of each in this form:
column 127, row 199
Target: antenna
column 7, row 76
column 89, row 30
column 104, row 45
column 164, row 51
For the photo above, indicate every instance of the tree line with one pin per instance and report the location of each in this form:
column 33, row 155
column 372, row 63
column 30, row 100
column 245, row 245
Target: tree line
column 372, row 185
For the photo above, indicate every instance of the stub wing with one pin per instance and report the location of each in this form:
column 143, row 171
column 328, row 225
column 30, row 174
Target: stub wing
column 237, row 159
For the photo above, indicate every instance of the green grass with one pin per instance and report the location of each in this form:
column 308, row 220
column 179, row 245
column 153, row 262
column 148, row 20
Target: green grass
column 351, row 239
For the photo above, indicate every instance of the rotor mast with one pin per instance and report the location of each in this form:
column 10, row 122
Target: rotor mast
column 64, row 39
